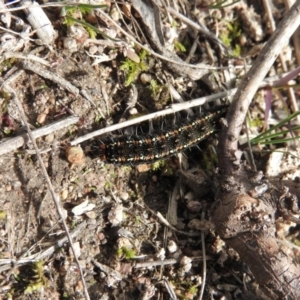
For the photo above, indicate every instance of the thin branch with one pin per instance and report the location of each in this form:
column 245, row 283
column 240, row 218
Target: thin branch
column 248, row 87
column 51, row 189
column 204, row 262
column 16, row 142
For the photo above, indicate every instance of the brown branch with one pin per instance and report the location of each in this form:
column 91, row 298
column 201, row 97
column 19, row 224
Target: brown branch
column 243, row 97
column 245, row 215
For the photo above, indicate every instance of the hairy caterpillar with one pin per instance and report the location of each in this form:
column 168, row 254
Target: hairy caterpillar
column 150, row 147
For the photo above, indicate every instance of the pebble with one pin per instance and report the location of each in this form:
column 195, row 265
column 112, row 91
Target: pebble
column 145, row 78
column 124, row 196
column 49, row 138
column 172, row 246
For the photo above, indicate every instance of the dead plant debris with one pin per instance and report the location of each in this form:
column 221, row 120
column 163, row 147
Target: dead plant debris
column 146, row 231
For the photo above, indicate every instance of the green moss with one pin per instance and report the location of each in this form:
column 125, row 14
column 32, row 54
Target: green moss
column 231, row 36
column 126, row 253
column 179, row 47
column 193, row 289
column 37, row 281
column 158, row 165
column 155, row 88
column 132, row 69
column 254, row 123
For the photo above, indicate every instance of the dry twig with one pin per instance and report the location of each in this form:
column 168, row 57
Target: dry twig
column 51, row 189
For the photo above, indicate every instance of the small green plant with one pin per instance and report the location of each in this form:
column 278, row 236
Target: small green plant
column 80, row 10
column 133, row 69
column 193, row 289
column 126, row 253
column 7, row 131
column 254, row 123
column 158, row 165
column 164, row 166
column 155, row 88
column 4, row 66
column 107, row 185
column 231, row 36
column 38, row 281
column 179, row 47
column 98, row 118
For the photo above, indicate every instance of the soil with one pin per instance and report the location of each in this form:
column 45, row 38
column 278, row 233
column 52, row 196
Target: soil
column 125, row 249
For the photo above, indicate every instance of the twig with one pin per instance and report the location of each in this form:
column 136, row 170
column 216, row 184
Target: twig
column 28, row 56
column 198, row 66
column 170, row 289
column 165, row 222
column 51, row 76
column 51, row 189
column 281, row 57
column 147, row 264
column 109, row 271
column 16, row 142
column 174, row 108
column 64, row 3
column 173, row 204
column 204, row 262
column 248, row 87
column 6, row 264
column 196, row 26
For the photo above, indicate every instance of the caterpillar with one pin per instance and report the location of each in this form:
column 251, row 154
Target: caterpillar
column 150, row 147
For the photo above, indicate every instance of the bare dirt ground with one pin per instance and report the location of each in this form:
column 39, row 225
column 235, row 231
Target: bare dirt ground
column 142, row 231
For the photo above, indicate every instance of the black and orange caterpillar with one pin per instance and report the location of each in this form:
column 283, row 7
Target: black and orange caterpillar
column 150, row 147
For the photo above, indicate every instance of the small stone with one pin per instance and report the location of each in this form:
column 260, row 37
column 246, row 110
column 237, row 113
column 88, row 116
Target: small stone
column 145, row 78
column 90, row 214
column 133, row 111
column 93, row 49
column 75, row 155
column 70, row 44
column 64, row 194
column 124, row 196
column 41, row 118
column 132, row 55
column 186, row 263
column 49, row 138
column 76, row 246
column 123, row 242
column 194, row 206
column 126, row 8
column 154, row 178
column 114, row 13
column 143, row 168
column 115, row 216
column 16, row 184
column 82, row 208
column 161, row 254
column 172, row 246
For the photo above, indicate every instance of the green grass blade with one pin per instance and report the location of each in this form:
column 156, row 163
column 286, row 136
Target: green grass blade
column 266, row 135
column 85, row 24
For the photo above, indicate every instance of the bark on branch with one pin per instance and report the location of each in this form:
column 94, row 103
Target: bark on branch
column 245, row 215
